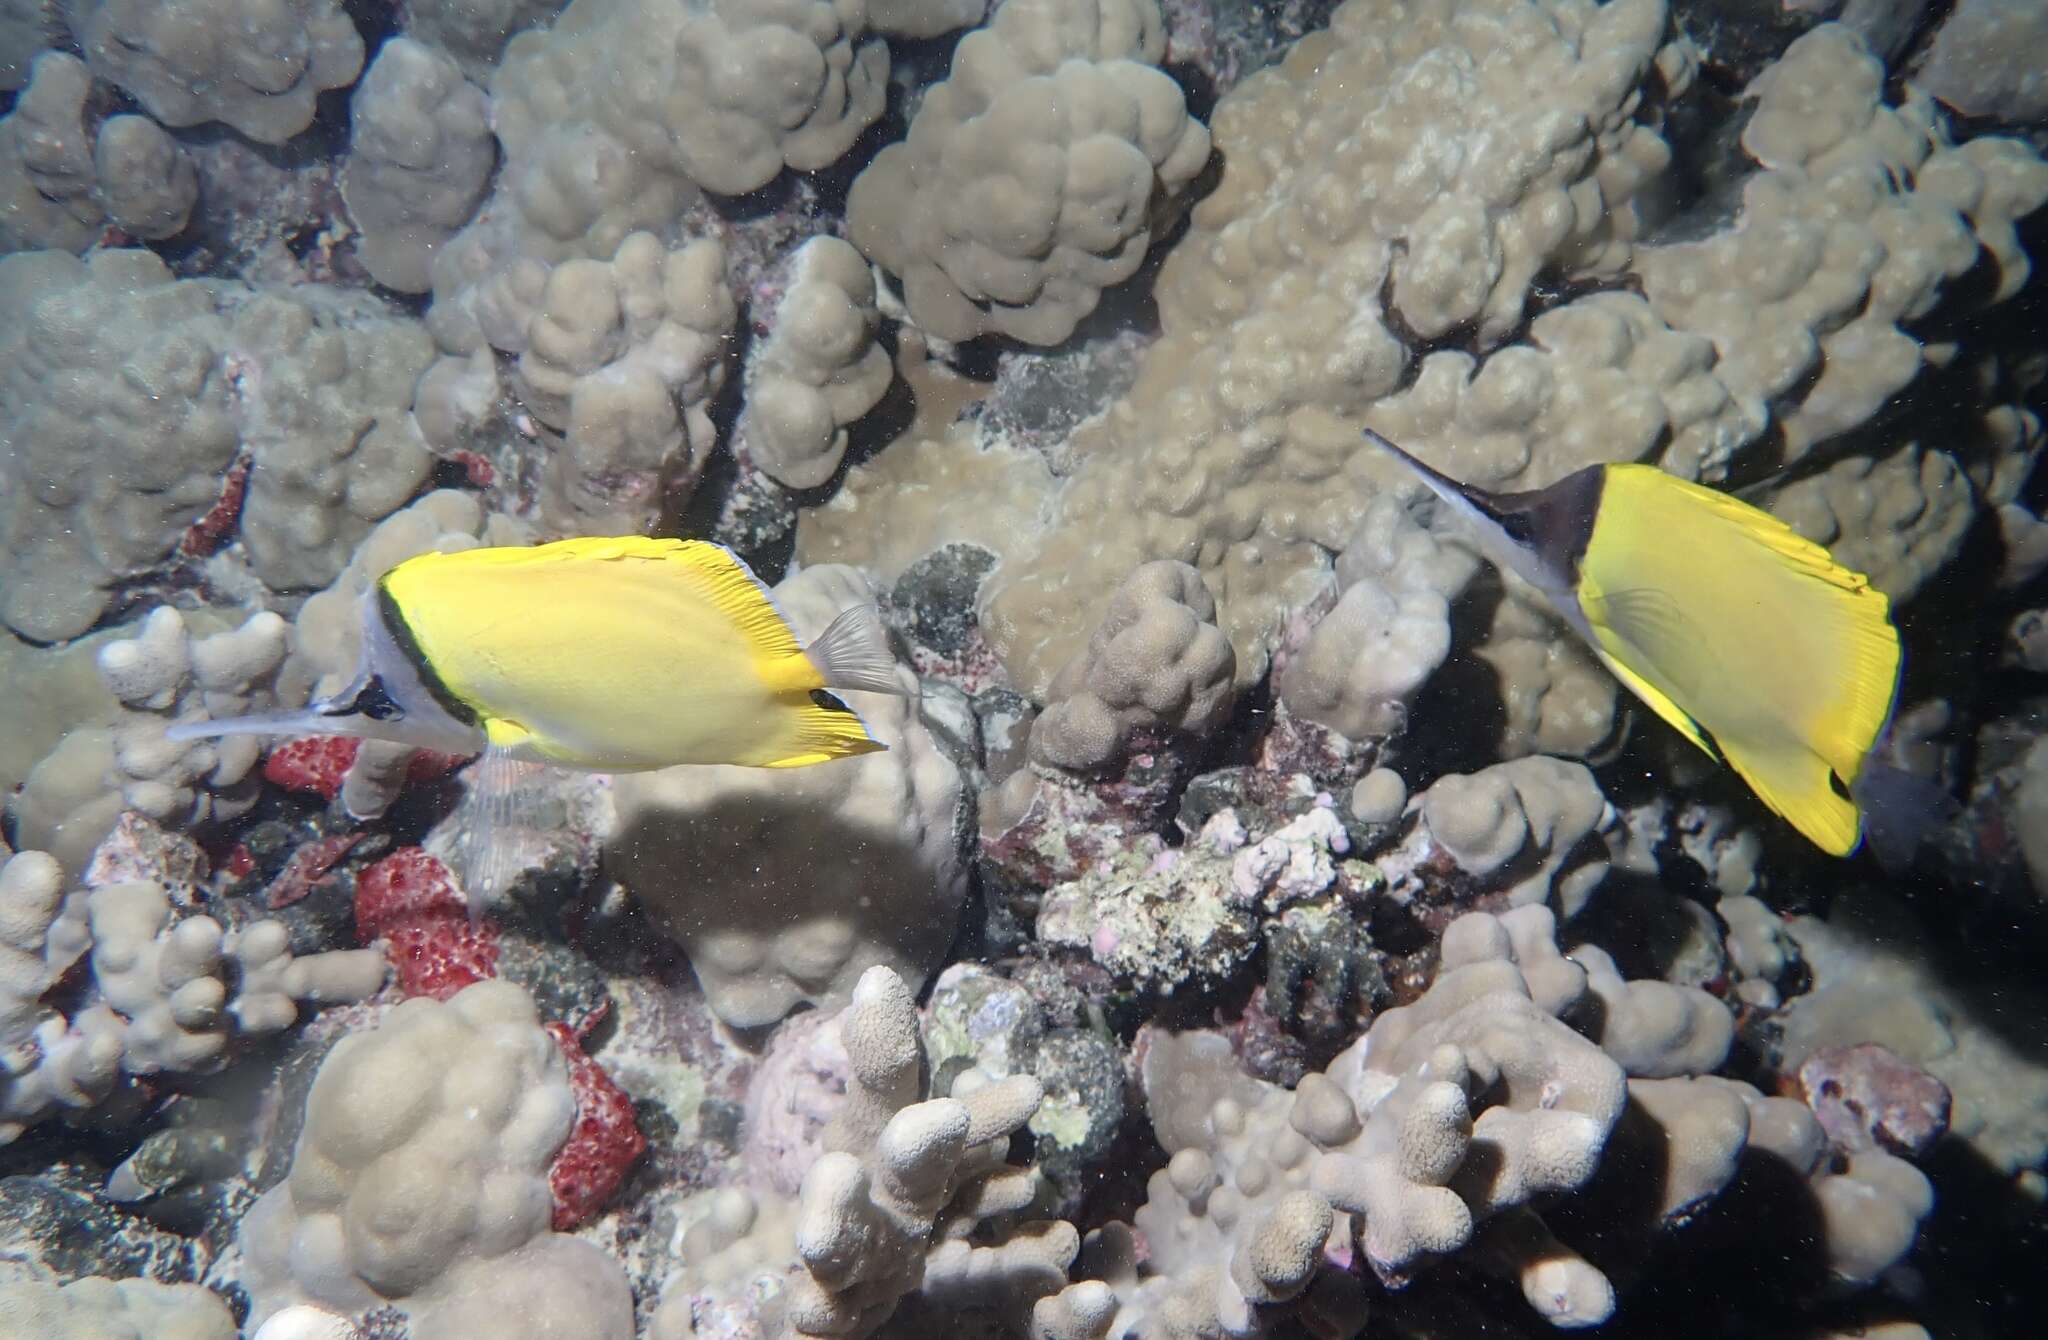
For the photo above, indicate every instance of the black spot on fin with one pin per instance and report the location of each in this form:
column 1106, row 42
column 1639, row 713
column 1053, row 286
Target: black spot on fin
column 829, row 702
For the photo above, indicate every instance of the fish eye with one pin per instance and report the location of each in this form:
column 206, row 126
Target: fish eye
column 373, row 702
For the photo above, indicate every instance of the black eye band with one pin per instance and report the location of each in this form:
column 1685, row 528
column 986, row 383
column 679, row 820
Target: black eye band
column 373, row 702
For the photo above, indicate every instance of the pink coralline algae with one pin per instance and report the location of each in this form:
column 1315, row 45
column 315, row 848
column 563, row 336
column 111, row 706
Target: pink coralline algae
column 312, row 763
column 1868, row 1096
column 317, row 764
column 603, row 1144
column 409, row 900
column 209, row 532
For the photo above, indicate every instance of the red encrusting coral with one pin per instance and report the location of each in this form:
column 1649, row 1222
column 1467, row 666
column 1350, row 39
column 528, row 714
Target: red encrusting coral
column 603, row 1143
column 409, row 900
column 209, row 532
column 314, row 763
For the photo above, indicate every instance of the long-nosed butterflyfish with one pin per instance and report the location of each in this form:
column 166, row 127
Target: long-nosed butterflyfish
column 1748, row 638
column 617, row 654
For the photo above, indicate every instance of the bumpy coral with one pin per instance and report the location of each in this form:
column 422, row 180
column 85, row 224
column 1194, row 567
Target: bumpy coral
column 421, row 1179
column 100, row 476
column 911, row 1194
column 1388, row 631
column 257, row 65
column 60, row 183
column 420, row 158
column 325, row 410
column 1032, row 177
column 619, row 357
column 1156, row 664
column 26, row 28
column 786, row 884
column 474, row 32
column 166, row 673
column 820, row 368
column 1862, row 213
column 318, row 392
column 611, row 120
column 1237, row 449
column 722, row 94
column 1898, row 519
column 1334, row 251
column 97, row 1308
column 1871, row 983
column 1523, row 827
column 1982, row 61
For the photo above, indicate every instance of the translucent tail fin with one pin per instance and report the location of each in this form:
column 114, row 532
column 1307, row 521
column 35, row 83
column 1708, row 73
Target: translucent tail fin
column 1901, row 811
column 853, row 653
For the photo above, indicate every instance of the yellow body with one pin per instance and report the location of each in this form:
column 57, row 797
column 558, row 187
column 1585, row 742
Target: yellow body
column 1745, row 636
column 621, row 654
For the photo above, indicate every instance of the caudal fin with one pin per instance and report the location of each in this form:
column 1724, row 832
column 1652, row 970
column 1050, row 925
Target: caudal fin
column 1901, row 810
column 853, row 653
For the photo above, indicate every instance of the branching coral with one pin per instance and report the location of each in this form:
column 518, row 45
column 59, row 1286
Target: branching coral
column 912, row 1194
column 166, row 673
column 1438, row 1134
column 1032, row 177
column 172, row 990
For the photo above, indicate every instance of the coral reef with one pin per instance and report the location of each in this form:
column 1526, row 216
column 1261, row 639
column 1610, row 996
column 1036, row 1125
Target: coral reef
column 1311, row 938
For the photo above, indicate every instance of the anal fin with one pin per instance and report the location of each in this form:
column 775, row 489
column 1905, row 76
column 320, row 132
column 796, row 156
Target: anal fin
column 825, row 729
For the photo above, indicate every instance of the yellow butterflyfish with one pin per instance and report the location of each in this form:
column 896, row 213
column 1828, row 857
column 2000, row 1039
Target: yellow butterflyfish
column 1748, row 638
column 616, row 654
